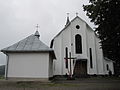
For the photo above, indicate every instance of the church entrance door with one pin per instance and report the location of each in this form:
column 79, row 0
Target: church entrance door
column 80, row 69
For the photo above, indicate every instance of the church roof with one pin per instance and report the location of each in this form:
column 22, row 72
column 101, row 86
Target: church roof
column 29, row 44
column 68, row 24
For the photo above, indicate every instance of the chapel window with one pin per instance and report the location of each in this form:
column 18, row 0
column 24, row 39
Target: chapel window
column 91, row 63
column 77, row 27
column 66, row 56
column 107, row 66
column 78, row 44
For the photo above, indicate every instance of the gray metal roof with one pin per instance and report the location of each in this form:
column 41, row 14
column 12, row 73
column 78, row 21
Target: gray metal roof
column 29, row 44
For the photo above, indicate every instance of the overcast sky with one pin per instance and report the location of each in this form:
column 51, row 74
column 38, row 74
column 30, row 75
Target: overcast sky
column 18, row 19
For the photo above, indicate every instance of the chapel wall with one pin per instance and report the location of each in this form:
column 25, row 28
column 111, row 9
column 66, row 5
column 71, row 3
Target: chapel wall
column 28, row 65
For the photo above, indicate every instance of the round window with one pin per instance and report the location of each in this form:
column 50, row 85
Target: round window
column 77, row 26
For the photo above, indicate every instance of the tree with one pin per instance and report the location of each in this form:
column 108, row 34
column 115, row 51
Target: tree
column 105, row 14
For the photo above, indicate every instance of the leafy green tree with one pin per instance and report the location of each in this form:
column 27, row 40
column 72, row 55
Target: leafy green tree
column 105, row 14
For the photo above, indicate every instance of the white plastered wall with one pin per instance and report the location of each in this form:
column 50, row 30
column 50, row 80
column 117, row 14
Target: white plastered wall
column 57, row 49
column 81, row 31
column 91, row 44
column 99, row 57
column 28, row 65
column 110, row 65
column 50, row 66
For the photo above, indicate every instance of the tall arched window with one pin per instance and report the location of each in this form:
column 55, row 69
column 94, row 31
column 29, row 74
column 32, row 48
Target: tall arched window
column 78, row 44
column 107, row 66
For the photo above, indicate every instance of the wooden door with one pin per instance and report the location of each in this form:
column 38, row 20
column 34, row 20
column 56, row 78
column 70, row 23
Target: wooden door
column 80, row 68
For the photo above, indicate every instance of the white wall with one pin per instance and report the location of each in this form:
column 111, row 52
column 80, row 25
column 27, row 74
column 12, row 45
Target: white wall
column 91, row 44
column 99, row 56
column 28, row 65
column 67, row 39
column 50, row 66
column 57, row 49
column 110, row 64
column 82, row 32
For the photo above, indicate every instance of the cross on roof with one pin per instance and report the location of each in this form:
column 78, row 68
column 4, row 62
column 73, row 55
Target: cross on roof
column 68, row 14
column 76, row 13
column 37, row 27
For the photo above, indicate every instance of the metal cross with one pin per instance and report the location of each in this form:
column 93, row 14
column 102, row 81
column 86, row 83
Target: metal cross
column 67, row 14
column 37, row 27
column 76, row 13
column 70, row 64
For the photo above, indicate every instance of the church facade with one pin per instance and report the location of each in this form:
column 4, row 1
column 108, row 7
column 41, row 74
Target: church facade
column 78, row 51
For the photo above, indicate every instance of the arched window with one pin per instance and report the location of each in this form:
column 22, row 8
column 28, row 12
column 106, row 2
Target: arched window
column 66, row 57
column 91, row 63
column 107, row 66
column 78, row 44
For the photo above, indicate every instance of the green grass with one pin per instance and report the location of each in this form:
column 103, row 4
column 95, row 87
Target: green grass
column 111, row 82
column 39, row 84
column 2, row 77
column 68, row 85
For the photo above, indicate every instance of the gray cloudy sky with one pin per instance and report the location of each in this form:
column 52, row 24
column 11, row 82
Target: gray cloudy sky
column 18, row 19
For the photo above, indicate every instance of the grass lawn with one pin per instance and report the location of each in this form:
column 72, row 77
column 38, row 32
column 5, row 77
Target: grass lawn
column 1, row 77
column 97, row 83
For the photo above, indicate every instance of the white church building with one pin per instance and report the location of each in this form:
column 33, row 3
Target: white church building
column 75, row 50
column 78, row 42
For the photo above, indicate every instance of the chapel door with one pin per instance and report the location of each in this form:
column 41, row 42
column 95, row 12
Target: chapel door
column 80, row 68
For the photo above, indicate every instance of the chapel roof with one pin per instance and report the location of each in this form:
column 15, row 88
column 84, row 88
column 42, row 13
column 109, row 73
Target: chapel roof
column 29, row 44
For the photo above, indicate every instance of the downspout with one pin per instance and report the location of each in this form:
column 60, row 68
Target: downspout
column 6, row 75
